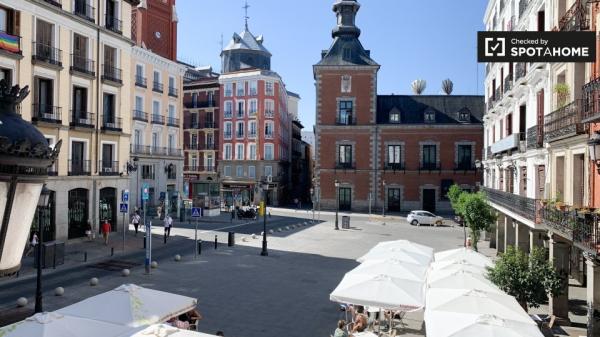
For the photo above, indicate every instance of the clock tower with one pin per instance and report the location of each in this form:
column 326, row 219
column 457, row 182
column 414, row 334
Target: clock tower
column 154, row 27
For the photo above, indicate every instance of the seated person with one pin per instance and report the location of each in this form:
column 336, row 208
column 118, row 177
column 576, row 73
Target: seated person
column 361, row 323
column 340, row 331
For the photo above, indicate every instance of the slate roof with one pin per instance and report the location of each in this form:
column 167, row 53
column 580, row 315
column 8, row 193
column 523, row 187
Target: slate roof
column 335, row 55
column 446, row 108
column 246, row 41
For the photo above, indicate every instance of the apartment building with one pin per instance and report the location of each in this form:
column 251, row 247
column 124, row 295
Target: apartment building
column 538, row 173
column 75, row 56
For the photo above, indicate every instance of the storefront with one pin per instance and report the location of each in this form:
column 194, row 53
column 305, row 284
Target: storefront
column 238, row 194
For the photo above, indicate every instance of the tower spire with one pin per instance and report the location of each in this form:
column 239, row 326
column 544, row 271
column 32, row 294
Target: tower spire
column 246, row 17
column 346, row 10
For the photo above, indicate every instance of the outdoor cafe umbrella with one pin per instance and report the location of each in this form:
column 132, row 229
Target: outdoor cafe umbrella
column 462, row 280
column 405, row 245
column 396, row 254
column 393, row 268
column 456, row 325
column 52, row 324
column 164, row 330
column 456, row 265
column 132, row 306
column 465, row 254
column 381, row 291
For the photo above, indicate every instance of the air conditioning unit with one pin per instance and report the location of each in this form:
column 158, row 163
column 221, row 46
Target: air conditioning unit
column 269, row 179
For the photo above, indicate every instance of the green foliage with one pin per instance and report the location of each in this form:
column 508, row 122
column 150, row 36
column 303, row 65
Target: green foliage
column 563, row 93
column 478, row 214
column 454, row 194
column 529, row 278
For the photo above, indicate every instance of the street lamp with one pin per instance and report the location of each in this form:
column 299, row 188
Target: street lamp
column 337, row 203
column 384, row 193
column 265, row 188
column 478, row 164
column 594, row 149
column 24, row 160
column 42, row 205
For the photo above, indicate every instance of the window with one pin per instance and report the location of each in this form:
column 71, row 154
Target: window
column 241, row 109
column 239, row 171
column 227, row 171
column 251, row 151
column 429, row 154
column 464, row 157
column 211, row 98
column 172, row 172
column 139, row 103
column 156, row 108
column 155, row 140
column 139, row 71
column 509, row 124
column 208, row 162
column 395, row 116
column 268, row 170
column 228, row 132
column 194, row 99
column 347, row 54
column 253, row 107
column 252, row 129
column 345, row 115
column 109, row 109
column 80, row 54
column 464, row 115
column 239, row 151
column 171, row 142
column 269, row 152
column 172, row 113
column 240, row 89
column 171, row 82
column 345, row 155
column 394, row 156
column 147, row 171
column 239, row 130
column 251, row 171
column 228, row 89
column 194, row 162
column 210, row 140
column 194, row 120
column 346, row 83
column 429, row 116
column 269, row 89
column 227, row 152
column 156, row 77
column 194, row 141
column 253, row 88
column 228, row 109
column 6, row 74
column 137, row 138
column 269, row 108
column 269, row 130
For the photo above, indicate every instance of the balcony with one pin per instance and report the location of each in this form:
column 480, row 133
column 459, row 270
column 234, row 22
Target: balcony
column 591, row 102
column 46, row 113
column 139, row 115
column 208, row 146
column 173, row 152
column 523, row 5
column 345, row 120
column 158, row 119
column 269, row 135
column 394, row 167
column 203, row 104
column 429, row 167
column 227, row 135
column 53, row 169
column 140, row 149
column 84, row 10
column 269, row 114
column 200, row 168
column 345, row 166
column 113, row 24
column 112, row 123
column 520, row 70
column 171, row 121
column 508, row 83
column 506, row 144
column 82, row 119
column 157, row 87
column 108, row 168
column 11, row 43
column 564, row 122
column 252, row 134
column 113, row 74
column 535, row 137
column 498, row 94
column 79, row 168
column 582, row 228
column 240, row 135
column 575, row 19
column 209, row 125
column 141, row 81
column 47, row 54
column 465, row 166
column 81, row 64
column 56, row 3
column 173, row 92
column 526, row 207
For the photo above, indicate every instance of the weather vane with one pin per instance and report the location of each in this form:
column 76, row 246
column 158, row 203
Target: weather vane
column 246, row 17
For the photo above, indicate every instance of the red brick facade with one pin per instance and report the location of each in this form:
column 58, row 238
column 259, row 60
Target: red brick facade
column 155, row 27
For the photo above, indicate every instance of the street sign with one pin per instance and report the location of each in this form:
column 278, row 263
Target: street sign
column 123, row 208
column 145, row 192
column 196, row 212
column 125, row 196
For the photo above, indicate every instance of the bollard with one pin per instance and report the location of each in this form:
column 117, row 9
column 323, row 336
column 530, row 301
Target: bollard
column 54, row 257
column 144, row 240
column 199, row 247
column 215, row 242
column 84, row 256
column 112, row 251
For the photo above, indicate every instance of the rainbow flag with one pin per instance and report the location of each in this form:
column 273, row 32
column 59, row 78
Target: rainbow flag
column 9, row 42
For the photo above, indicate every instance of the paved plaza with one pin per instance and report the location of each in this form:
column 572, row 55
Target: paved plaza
column 239, row 291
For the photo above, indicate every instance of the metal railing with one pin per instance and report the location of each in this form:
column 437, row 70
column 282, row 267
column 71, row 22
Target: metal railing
column 564, row 122
column 581, row 227
column 239, row 135
column 575, row 18
column 535, row 137
column 208, row 146
column 113, row 24
column 394, row 167
column 108, row 168
column 227, row 135
column 269, row 113
column 83, row 9
column 269, row 135
column 46, row 113
column 111, row 73
column 141, row 81
column 112, row 123
column 173, row 91
column 79, row 168
column 82, row 119
column 56, row 3
column 53, row 169
column 171, row 121
column 202, row 104
column 82, row 64
column 523, row 5
column 209, row 124
column 200, row 168
column 466, row 166
column 345, row 166
column 591, row 101
column 526, row 207
column 140, row 149
column 520, row 70
column 45, row 53
column 345, row 120
column 430, row 167
column 158, row 119
column 139, row 115
column 157, row 87
column 14, row 47
column 508, row 82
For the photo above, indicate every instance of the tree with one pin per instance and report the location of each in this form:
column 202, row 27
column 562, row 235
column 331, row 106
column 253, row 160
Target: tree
column 477, row 214
column 528, row 278
column 454, row 193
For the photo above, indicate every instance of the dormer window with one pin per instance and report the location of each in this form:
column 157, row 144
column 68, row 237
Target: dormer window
column 346, row 84
column 464, row 115
column 394, row 116
column 429, row 116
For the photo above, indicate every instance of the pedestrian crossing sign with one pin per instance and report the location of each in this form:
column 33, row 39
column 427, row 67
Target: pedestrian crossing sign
column 123, row 208
column 196, row 212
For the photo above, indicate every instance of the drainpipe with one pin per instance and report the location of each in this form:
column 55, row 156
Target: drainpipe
column 97, row 128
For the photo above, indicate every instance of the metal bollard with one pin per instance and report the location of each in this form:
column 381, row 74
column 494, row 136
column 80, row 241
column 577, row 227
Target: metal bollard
column 199, row 247
column 215, row 242
column 84, row 256
column 54, row 258
column 144, row 240
column 112, row 251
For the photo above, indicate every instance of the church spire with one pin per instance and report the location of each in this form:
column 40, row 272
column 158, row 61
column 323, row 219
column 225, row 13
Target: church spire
column 345, row 11
column 246, row 17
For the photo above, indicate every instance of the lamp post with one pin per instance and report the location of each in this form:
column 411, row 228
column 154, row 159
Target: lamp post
column 337, row 203
column 24, row 160
column 594, row 149
column 133, row 167
column 42, row 205
column 265, row 188
column 384, row 194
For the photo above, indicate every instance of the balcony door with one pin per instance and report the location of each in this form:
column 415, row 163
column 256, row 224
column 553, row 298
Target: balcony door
column 107, row 158
column 77, row 157
column 44, row 37
column 393, row 199
column 109, row 108
column 345, row 198
column 79, row 104
column 80, row 52
column 44, row 96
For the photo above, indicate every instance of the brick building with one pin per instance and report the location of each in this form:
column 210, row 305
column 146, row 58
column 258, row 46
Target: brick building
column 154, row 27
column 398, row 152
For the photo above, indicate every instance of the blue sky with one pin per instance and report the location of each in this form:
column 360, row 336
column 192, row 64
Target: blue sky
column 431, row 40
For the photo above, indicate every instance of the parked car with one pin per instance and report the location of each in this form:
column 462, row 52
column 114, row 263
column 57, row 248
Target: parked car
column 417, row 218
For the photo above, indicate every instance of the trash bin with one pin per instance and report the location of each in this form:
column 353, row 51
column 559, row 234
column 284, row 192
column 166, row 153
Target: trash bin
column 345, row 222
column 231, row 239
column 53, row 254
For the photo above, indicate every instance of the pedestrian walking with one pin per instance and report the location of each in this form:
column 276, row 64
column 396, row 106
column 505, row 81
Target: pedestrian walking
column 88, row 231
column 32, row 244
column 106, row 231
column 135, row 220
column 168, row 223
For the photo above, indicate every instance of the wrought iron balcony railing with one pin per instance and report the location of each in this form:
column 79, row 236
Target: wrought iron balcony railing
column 139, row 115
column 157, row 87
column 84, row 10
column 591, row 102
column 45, row 53
column 158, row 119
column 466, row 166
column 56, row 3
column 108, row 168
column 112, row 123
column 345, row 120
column 46, row 113
column 111, row 73
column 575, row 19
column 526, row 207
column 345, row 166
column 82, row 64
column 171, row 121
column 79, row 168
column 581, row 227
column 173, row 91
column 394, row 167
column 564, row 122
column 430, row 167
column 82, row 119
column 141, row 81
column 535, row 137
column 141, row 149
column 113, row 24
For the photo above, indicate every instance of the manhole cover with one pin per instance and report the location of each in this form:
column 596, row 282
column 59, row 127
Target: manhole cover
column 114, row 265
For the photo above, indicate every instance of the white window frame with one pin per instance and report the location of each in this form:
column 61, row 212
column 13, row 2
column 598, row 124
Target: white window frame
column 240, row 89
column 272, row 147
column 227, row 125
column 239, row 151
column 227, row 151
column 251, row 155
column 228, row 113
column 228, row 88
column 240, row 127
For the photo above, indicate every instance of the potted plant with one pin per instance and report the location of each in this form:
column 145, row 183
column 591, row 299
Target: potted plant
column 563, row 93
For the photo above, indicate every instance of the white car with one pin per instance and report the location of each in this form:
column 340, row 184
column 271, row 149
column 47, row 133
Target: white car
column 418, row 218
